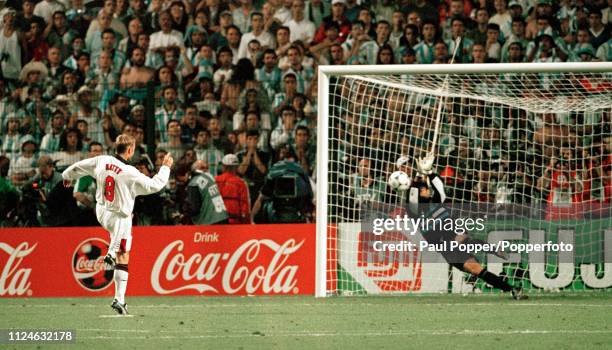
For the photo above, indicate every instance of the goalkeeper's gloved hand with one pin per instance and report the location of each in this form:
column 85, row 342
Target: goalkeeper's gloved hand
column 425, row 165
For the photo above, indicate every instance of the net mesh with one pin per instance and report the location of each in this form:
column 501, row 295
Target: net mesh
column 505, row 139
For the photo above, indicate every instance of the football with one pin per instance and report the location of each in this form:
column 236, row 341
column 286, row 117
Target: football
column 399, row 181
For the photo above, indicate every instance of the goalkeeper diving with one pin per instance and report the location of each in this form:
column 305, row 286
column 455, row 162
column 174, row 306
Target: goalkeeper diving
column 428, row 188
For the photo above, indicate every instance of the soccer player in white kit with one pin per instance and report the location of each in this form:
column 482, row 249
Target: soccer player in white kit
column 118, row 184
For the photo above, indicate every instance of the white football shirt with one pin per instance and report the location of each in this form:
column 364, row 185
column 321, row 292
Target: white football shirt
column 118, row 183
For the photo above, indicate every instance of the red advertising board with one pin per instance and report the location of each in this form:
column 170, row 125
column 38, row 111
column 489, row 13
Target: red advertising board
column 176, row 260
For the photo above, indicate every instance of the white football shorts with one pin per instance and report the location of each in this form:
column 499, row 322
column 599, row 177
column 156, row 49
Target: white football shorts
column 119, row 227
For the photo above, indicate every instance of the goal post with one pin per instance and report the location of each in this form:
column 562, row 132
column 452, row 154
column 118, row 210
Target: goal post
column 504, row 135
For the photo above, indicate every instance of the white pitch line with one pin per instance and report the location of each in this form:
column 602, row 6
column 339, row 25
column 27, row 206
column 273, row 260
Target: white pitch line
column 115, row 316
column 357, row 303
column 316, row 334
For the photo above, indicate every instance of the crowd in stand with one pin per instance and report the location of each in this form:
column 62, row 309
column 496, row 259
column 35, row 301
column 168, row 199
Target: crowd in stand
column 234, row 88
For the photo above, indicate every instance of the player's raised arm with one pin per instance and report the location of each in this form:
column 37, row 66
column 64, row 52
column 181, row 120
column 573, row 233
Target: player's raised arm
column 79, row 169
column 145, row 185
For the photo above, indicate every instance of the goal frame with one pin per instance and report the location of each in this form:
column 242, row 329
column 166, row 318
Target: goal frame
column 327, row 71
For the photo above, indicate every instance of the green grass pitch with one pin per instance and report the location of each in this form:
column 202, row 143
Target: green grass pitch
column 545, row 321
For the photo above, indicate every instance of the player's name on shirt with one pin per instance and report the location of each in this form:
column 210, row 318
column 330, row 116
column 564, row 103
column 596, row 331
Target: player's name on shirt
column 113, row 167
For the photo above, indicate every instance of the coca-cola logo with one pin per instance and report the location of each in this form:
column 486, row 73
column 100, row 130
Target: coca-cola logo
column 88, row 267
column 15, row 279
column 257, row 266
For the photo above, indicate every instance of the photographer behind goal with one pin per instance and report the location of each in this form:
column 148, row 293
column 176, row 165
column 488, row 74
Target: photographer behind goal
column 286, row 195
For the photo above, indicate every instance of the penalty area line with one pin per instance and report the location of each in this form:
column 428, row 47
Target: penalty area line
column 319, row 334
column 503, row 303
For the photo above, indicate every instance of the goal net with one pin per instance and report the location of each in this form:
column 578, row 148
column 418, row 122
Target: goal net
column 526, row 148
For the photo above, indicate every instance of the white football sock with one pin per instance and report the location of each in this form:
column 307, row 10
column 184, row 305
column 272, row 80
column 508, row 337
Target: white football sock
column 121, row 280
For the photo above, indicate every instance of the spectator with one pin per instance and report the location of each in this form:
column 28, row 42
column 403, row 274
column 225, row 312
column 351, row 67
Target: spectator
column 223, row 71
column 517, row 36
column 564, row 187
column 410, row 37
column 284, row 134
column 599, row 32
column 253, row 162
column 385, row 55
column 425, row 10
column 90, row 114
column 305, row 152
column 337, row 17
column 322, row 48
column 138, row 10
column 316, row 11
column 284, row 98
column 493, row 47
column 93, row 39
column 189, row 125
column 130, row 42
column 251, row 104
column 368, row 50
column 180, row 19
column 269, row 75
column 502, row 18
column 479, row 33
column 70, row 147
column 282, row 41
column 173, row 143
column 149, row 209
column 233, row 41
column 207, row 152
column 103, row 79
column 440, row 53
column 27, row 16
column 218, row 38
column 24, row 167
column 203, row 204
column 170, row 110
column 58, row 33
column 424, row 49
column 465, row 46
column 479, row 54
column 51, row 141
column 300, row 27
column 166, row 37
column 11, row 45
column 11, row 142
column 234, row 191
column 8, row 195
column 47, row 8
column 85, row 191
column 117, row 116
column 242, row 79
column 136, row 76
column 258, row 33
column 55, row 69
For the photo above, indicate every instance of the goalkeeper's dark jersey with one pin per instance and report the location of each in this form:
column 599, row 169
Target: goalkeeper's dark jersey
column 427, row 207
column 433, row 208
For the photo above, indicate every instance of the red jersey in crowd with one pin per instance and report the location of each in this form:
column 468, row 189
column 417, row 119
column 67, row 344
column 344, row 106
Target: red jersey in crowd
column 563, row 200
column 235, row 193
